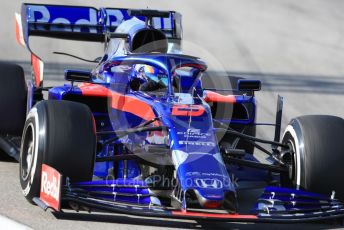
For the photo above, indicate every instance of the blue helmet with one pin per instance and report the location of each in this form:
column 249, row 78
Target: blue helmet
column 147, row 73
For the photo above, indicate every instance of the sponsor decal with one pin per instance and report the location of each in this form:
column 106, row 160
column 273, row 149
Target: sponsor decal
column 50, row 192
column 199, row 143
column 63, row 16
column 204, row 174
column 188, row 110
column 84, row 16
column 208, row 183
column 194, row 133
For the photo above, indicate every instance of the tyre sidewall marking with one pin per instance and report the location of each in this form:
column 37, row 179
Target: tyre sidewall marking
column 298, row 151
column 33, row 115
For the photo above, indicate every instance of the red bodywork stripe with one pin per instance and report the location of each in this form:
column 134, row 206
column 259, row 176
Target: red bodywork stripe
column 132, row 105
column 19, row 30
column 88, row 89
column 216, row 97
column 213, row 215
column 194, row 65
column 37, row 67
column 119, row 101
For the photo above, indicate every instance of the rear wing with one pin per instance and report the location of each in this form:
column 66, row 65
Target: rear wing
column 83, row 23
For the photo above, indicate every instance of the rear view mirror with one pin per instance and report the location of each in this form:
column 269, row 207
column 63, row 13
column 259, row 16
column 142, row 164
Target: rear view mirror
column 249, row 85
column 78, row 75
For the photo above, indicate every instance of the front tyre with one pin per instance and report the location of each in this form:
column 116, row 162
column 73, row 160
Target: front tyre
column 317, row 147
column 60, row 134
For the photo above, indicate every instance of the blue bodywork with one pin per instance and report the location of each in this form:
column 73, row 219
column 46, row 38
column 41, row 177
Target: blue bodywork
column 191, row 139
column 188, row 152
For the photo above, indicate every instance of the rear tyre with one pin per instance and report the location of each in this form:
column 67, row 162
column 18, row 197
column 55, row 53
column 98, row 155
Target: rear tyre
column 60, row 134
column 317, row 155
column 13, row 94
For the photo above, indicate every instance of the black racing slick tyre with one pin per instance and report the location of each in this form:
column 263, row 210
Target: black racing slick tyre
column 13, row 94
column 62, row 135
column 317, row 146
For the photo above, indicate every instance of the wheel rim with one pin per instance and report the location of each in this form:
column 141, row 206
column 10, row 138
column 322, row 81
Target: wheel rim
column 28, row 151
column 291, row 161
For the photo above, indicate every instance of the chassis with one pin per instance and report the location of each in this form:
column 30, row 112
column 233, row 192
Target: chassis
column 138, row 137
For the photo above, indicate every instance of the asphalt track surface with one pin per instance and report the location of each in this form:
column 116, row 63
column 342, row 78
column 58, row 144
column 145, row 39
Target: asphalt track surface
column 294, row 47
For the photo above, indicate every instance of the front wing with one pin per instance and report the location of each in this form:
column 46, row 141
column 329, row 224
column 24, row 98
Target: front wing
column 276, row 205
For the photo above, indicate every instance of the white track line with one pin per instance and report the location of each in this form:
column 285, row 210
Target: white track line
column 6, row 223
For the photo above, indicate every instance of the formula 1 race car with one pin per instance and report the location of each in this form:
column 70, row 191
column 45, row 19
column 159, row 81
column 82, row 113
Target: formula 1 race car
column 141, row 133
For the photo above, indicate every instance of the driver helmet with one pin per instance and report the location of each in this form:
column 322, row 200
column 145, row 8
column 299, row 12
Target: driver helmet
column 147, row 73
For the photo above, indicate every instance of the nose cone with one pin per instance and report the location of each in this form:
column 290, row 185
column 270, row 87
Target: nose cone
column 217, row 198
column 209, row 198
column 206, row 176
column 198, row 161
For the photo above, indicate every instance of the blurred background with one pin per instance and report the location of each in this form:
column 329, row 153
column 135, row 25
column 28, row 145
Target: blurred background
column 296, row 48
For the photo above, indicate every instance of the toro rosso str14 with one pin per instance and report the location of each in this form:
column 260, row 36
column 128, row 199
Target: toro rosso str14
column 142, row 134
